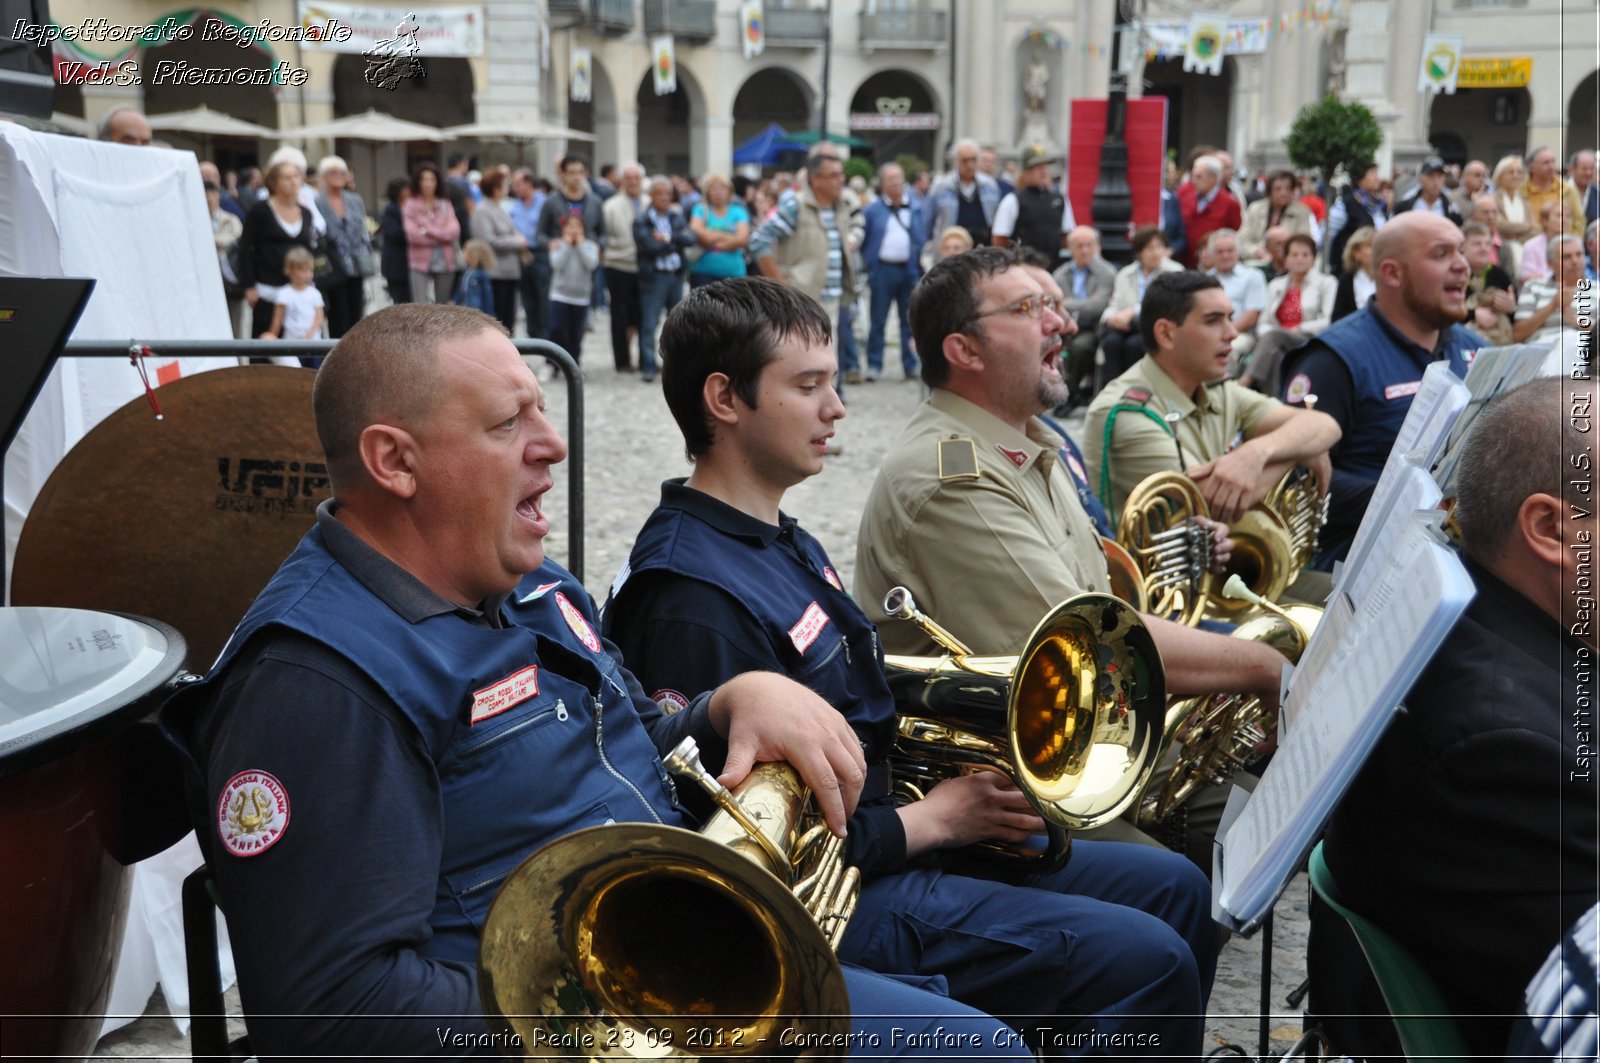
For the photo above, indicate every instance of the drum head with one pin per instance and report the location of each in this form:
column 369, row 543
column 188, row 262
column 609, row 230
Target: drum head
column 185, row 518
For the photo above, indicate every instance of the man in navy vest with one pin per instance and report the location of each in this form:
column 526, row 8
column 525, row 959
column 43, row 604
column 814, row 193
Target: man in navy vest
column 1366, row 368
column 721, row 582
column 419, row 699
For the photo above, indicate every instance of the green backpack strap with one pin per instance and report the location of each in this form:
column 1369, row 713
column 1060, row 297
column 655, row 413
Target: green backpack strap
column 1137, row 400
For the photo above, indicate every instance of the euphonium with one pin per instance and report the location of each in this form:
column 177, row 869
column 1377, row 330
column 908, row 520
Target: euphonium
column 1073, row 720
column 1215, row 735
column 639, row 940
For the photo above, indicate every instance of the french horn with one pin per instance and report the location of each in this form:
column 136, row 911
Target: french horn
column 1214, row 735
column 645, row 941
column 1172, row 551
column 1074, row 720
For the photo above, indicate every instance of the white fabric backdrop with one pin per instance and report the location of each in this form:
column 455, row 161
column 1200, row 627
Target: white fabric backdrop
column 133, row 218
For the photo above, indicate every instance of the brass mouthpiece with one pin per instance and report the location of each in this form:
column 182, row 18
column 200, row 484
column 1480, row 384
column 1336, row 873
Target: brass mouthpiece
column 899, row 604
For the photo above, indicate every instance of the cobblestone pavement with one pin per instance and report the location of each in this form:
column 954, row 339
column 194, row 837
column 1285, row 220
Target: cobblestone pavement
column 631, row 445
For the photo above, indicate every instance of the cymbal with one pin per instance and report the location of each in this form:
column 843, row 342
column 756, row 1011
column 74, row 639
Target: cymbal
column 185, row 518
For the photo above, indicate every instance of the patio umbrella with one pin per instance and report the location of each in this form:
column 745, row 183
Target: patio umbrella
column 204, row 123
column 811, row 136
column 369, row 125
column 514, row 129
column 765, row 148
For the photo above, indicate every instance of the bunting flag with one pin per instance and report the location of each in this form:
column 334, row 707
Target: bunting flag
column 1441, row 62
column 582, row 76
column 754, row 33
column 664, row 65
column 1206, row 43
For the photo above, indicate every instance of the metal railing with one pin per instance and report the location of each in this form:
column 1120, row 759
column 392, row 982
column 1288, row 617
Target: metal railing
column 790, row 27
column 316, row 348
column 692, row 19
column 904, row 29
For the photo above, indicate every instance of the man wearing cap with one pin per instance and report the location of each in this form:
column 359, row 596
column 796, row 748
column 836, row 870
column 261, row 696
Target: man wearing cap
column 1429, row 193
column 1035, row 214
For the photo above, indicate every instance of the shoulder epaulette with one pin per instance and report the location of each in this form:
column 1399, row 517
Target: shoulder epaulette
column 958, row 458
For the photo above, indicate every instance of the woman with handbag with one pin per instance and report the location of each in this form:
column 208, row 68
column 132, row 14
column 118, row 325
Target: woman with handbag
column 271, row 228
column 431, row 232
column 492, row 224
column 344, row 289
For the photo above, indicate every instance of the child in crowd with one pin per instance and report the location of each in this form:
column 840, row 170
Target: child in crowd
column 475, row 289
column 298, row 312
column 572, row 266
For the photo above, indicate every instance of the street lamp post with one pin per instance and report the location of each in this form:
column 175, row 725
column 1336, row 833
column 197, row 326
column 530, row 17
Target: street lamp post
column 827, row 68
column 1113, row 204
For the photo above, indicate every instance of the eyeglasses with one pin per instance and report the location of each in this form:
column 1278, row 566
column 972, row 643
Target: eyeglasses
column 1033, row 306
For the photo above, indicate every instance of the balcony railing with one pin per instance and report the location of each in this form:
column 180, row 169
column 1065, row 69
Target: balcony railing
column 692, row 19
column 904, row 29
column 796, row 27
column 598, row 16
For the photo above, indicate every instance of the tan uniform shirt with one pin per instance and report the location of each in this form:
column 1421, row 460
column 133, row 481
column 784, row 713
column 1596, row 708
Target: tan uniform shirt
column 1140, row 447
column 981, row 523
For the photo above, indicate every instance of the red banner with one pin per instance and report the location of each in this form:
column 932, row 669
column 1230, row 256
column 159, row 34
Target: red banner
column 1145, row 130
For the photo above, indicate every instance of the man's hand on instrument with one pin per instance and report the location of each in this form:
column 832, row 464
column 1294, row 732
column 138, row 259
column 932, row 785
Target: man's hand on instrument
column 981, row 806
column 1322, row 467
column 767, row 716
column 1221, row 545
column 1231, row 483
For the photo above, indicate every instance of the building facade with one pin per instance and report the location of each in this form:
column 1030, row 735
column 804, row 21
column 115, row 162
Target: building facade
column 903, row 77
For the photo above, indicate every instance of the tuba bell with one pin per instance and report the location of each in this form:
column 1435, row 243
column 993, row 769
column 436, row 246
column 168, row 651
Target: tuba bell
column 1073, row 720
column 645, row 941
column 1214, row 735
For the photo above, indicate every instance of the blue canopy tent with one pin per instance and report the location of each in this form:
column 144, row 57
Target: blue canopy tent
column 765, row 147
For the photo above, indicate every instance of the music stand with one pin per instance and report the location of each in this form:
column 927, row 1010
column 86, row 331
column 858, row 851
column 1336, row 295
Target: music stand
column 37, row 315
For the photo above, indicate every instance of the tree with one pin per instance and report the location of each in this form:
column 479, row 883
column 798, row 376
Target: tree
column 1329, row 133
column 855, row 166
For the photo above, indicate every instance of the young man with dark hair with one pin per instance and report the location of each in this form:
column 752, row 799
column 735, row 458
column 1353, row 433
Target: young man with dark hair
column 1188, row 335
column 721, row 581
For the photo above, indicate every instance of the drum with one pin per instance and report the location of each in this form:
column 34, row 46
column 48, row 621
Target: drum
column 184, row 517
column 86, row 788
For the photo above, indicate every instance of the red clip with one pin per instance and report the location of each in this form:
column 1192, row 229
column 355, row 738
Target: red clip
column 137, row 352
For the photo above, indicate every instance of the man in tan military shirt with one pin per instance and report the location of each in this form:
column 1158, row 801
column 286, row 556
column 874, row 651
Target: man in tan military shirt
column 1176, row 410
column 972, row 510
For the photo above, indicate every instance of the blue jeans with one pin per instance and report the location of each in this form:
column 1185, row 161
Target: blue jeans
column 890, row 284
column 658, row 293
column 1120, row 941
column 849, row 353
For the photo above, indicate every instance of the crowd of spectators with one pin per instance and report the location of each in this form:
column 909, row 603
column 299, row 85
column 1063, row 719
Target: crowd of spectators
column 1292, row 253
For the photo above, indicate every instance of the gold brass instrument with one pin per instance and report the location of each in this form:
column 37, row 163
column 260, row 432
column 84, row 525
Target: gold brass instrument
column 1263, row 554
column 1301, row 500
column 1171, row 551
column 644, row 941
column 1215, row 735
column 1127, row 582
column 1072, row 719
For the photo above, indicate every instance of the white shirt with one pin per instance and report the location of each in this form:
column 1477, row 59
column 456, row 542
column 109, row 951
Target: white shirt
column 896, row 245
column 299, row 309
column 1246, row 288
column 1005, row 215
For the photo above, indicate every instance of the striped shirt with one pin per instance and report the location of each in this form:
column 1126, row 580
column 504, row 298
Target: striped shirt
column 781, row 226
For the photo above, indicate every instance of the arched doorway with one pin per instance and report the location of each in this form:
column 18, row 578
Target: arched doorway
column 671, row 128
column 771, row 95
column 896, row 111
column 442, row 98
column 251, row 103
column 1197, row 104
column 1487, row 123
column 1583, row 115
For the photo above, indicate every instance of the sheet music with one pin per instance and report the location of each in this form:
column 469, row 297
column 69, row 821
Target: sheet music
column 1409, row 489
column 1438, row 404
column 1494, row 370
column 1342, row 700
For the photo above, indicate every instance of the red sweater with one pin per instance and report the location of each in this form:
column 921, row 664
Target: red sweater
column 1221, row 213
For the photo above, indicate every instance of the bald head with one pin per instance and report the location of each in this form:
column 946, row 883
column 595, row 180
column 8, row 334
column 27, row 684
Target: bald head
column 126, row 126
column 1404, row 236
column 384, row 371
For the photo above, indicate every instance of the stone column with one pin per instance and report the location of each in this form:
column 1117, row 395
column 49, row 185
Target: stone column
column 513, row 88
column 1368, row 56
column 1407, row 141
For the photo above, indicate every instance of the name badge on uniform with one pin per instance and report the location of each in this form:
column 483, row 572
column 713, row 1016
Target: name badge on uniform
column 502, row 694
column 1401, row 391
column 810, row 625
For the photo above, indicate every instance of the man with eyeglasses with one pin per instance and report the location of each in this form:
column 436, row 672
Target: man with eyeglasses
column 974, row 512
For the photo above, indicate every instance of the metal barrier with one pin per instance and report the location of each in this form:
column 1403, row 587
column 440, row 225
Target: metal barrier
column 316, row 348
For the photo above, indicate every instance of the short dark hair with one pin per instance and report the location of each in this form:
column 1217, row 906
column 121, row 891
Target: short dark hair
column 395, row 187
column 386, row 368
column 1170, row 297
column 731, row 327
column 1301, row 238
column 1144, row 237
column 454, row 159
column 944, row 302
column 1282, row 175
column 416, row 178
column 569, row 159
column 491, row 183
